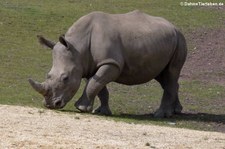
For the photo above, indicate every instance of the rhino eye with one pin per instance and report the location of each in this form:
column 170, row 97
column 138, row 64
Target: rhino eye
column 64, row 78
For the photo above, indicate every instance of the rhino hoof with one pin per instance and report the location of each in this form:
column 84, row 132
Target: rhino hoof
column 163, row 113
column 178, row 109
column 102, row 111
column 84, row 108
column 83, row 105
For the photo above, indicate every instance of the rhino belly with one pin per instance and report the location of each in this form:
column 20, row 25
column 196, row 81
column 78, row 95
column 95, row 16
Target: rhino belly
column 140, row 74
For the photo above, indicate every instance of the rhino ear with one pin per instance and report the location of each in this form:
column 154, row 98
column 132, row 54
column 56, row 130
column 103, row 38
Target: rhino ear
column 64, row 42
column 45, row 42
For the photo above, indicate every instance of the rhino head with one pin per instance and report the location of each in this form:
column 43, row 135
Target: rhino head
column 64, row 78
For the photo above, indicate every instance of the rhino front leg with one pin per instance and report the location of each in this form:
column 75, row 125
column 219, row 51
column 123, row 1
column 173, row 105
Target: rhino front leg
column 104, row 75
column 103, row 109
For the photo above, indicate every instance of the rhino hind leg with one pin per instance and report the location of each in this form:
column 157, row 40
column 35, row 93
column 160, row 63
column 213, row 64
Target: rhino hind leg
column 168, row 79
column 178, row 107
column 103, row 109
column 170, row 103
column 96, row 85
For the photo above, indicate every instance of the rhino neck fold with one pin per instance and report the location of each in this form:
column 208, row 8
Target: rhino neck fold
column 79, row 35
column 88, row 65
column 84, row 59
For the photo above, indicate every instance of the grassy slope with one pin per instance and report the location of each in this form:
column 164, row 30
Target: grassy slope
column 22, row 57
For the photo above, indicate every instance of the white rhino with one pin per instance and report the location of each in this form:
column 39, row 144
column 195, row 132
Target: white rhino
column 131, row 48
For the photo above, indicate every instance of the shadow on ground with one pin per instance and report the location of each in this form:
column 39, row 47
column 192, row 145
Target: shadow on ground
column 203, row 121
column 199, row 121
column 198, row 117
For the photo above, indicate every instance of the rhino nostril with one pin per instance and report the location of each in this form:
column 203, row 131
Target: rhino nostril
column 58, row 103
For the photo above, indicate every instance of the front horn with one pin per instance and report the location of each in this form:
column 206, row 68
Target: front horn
column 39, row 87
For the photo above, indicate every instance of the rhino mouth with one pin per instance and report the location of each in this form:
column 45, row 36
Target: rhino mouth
column 56, row 103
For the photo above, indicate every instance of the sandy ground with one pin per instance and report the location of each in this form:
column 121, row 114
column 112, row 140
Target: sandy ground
column 24, row 127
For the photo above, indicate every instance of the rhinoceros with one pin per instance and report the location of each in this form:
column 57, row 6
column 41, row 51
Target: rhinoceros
column 130, row 49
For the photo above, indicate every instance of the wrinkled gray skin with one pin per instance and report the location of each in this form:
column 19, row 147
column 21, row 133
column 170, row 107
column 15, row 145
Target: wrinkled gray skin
column 131, row 48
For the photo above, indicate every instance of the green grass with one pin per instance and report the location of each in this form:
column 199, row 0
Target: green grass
column 22, row 57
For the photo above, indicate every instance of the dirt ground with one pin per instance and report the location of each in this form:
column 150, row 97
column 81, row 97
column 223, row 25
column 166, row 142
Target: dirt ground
column 206, row 56
column 24, row 127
